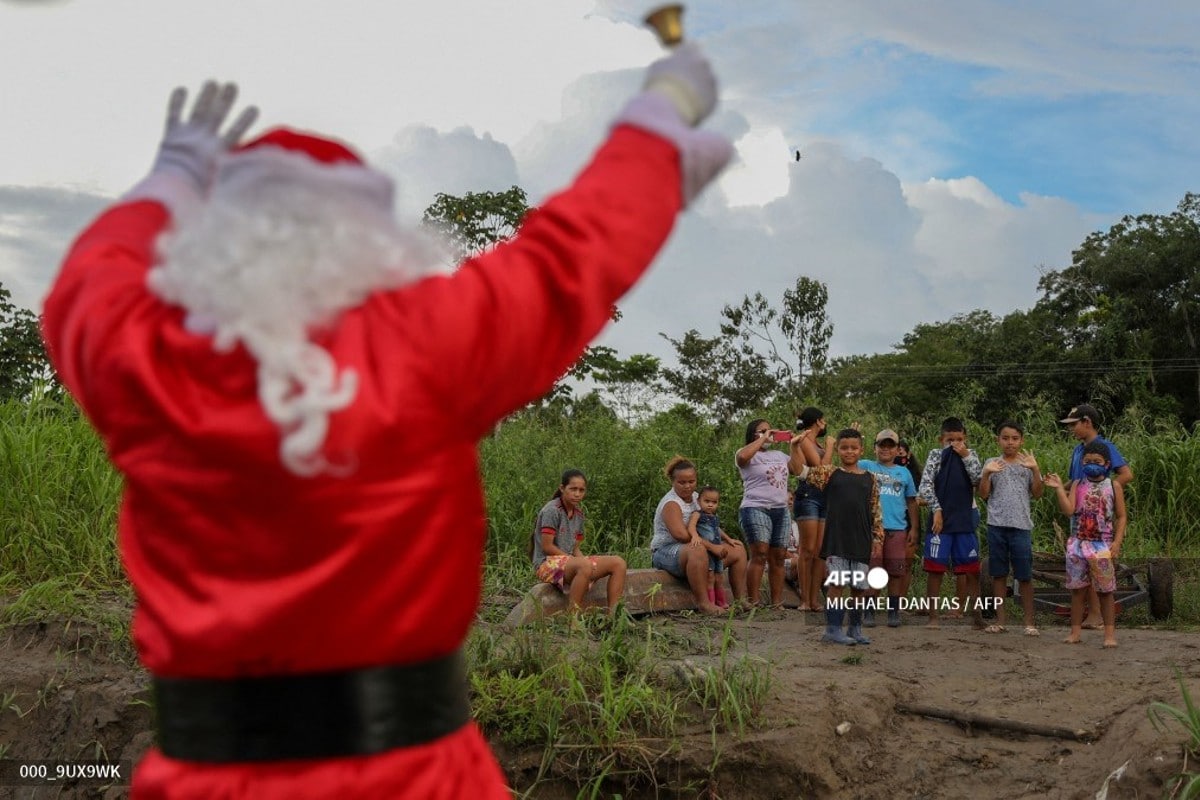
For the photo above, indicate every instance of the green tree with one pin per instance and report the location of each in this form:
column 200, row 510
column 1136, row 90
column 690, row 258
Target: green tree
column 478, row 220
column 628, row 386
column 973, row 365
column 1130, row 304
column 792, row 338
column 718, row 378
column 23, row 361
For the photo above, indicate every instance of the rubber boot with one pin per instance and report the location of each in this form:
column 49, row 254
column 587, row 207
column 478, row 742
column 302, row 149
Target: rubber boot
column 719, row 597
column 869, row 618
column 893, row 612
column 855, row 629
column 833, row 627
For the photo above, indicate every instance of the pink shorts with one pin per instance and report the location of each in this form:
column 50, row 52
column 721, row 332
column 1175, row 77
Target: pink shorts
column 1090, row 563
column 554, row 570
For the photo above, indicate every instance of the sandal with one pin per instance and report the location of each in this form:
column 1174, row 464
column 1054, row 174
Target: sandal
column 1032, row 631
column 995, row 629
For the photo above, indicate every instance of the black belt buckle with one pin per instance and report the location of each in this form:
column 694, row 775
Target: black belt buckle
column 319, row 715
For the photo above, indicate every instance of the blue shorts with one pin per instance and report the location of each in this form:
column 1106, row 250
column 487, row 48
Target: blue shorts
column 769, row 525
column 808, row 503
column 667, row 558
column 958, row 549
column 1010, row 546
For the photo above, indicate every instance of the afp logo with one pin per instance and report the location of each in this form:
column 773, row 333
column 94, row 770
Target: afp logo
column 846, row 577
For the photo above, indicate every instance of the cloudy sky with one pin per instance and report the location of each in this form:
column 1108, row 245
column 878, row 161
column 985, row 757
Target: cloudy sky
column 951, row 148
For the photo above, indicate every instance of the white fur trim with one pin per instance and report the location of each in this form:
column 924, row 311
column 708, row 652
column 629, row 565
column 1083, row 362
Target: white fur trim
column 271, row 163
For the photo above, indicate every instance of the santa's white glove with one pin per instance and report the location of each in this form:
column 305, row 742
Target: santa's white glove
column 680, row 92
column 686, row 79
column 187, row 157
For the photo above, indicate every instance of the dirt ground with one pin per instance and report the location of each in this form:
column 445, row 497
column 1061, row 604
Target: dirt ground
column 69, row 696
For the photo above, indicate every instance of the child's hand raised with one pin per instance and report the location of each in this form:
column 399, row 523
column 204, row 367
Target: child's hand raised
column 1025, row 459
column 993, row 465
column 1053, row 481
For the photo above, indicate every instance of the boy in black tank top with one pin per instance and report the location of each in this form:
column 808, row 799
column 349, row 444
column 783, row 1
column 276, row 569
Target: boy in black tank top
column 853, row 528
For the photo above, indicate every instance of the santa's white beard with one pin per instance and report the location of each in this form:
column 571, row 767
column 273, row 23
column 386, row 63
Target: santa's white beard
column 265, row 263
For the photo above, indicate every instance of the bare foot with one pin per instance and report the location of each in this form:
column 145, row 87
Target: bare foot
column 1110, row 642
column 711, row 609
column 1091, row 624
column 1074, row 638
column 933, row 623
column 954, row 615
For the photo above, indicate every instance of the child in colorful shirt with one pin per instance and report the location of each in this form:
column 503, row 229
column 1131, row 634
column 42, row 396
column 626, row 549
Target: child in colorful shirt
column 1096, row 506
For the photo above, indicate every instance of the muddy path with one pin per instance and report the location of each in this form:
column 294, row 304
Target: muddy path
column 69, row 695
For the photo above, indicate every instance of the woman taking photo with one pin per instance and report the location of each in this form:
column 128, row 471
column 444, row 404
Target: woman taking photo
column 557, row 536
column 674, row 550
column 764, row 512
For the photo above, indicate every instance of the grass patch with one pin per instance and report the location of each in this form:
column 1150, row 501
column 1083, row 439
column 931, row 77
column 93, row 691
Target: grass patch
column 607, row 700
column 1187, row 716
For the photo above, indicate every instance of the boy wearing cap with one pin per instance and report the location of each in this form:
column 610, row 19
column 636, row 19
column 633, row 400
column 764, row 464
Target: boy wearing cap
column 898, row 502
column 1084, row 424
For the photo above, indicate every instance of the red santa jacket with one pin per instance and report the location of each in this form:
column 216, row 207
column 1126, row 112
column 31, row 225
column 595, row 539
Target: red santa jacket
column 241, row 568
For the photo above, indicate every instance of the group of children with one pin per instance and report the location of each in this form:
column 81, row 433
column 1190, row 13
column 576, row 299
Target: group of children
column 869, row 510
column 866, row 516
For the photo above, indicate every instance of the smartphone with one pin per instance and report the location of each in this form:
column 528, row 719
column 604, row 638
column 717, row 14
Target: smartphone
column 781, row 436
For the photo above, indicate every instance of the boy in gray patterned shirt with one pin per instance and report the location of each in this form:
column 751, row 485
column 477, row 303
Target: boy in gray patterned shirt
column 1007, row 483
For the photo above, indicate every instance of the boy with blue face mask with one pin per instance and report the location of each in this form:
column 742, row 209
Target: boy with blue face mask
column 1096, row 506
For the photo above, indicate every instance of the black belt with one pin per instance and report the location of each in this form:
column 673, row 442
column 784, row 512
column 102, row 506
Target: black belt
column 323, row 715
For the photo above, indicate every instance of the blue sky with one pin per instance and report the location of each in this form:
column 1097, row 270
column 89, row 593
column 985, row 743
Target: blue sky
column 953, row 149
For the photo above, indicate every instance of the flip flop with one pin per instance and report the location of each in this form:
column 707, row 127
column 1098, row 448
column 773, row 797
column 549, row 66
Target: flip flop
column 1032, row 631
column 995, row 629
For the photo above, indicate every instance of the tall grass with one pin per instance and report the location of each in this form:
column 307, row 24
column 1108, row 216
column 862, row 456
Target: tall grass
column 58, row 495
column 58, row 499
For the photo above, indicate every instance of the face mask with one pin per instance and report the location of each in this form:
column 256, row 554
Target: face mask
column 1094, row 471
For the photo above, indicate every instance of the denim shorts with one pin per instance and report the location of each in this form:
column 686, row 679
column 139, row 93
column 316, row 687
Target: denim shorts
column 809, row 502
column 1010, row 546
column 769, row 525
column 667, row 558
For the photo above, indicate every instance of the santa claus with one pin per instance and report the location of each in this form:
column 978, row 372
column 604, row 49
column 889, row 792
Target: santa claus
column 294, row 397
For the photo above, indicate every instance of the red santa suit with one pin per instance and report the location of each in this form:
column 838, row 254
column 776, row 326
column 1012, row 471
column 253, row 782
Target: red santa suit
column 242, row 568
